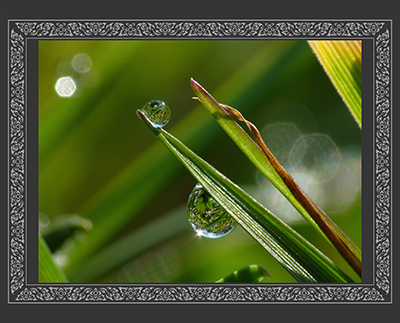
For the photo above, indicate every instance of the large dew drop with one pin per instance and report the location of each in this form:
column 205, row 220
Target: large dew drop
column 207, row 217
column 157, row 112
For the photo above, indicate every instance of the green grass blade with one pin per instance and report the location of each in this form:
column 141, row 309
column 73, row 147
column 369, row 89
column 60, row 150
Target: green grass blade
column 248, row 147
column 48, row 271
column 301, row 259
column 249, row 274
column 341, row 61
column 130, row 191
column 328, row 229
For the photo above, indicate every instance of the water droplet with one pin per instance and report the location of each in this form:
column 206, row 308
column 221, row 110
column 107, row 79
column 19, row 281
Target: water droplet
column 157, row 112
column 207, row 217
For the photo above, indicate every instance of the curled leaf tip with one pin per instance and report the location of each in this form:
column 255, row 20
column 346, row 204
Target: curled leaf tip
column 252, row 147
column 198, row 89
column 195, row 86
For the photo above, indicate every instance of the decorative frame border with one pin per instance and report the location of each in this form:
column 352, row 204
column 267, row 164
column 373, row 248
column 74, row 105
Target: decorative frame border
column 378, row 31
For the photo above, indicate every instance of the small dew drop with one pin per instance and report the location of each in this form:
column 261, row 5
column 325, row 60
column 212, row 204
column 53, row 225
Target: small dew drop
column 157, row 112
column 207, row 217
column 65, row 86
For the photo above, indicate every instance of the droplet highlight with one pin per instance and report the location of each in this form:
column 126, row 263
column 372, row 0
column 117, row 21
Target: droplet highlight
column 207, row 217
column 157, row 112
column 65, row 86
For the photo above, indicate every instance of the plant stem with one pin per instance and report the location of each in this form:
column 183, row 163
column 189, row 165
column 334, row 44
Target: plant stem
column 313, row 210
column 299, row 257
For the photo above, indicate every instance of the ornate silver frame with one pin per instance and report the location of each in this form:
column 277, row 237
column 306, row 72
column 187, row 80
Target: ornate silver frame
column 378, row 292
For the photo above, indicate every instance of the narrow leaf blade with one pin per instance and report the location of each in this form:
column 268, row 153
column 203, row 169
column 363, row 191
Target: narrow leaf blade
column 248, row 147
column 327, row 228
column 341, row 61
column 301, row 259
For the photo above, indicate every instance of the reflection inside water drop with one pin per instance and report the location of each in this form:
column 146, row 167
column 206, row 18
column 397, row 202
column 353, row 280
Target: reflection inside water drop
column 157, row 112
column 207, row 217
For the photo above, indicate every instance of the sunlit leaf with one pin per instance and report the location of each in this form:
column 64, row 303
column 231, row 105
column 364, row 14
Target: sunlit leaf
column 259, row 154
column 301, row 259
column 341, row 61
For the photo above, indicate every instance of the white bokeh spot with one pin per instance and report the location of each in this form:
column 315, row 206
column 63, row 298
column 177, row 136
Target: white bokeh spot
column 65, row 86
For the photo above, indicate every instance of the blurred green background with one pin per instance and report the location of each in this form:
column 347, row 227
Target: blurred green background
column 97, row 160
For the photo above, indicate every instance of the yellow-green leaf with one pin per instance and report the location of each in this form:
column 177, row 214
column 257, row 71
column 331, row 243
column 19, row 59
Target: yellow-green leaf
column 341, row 61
